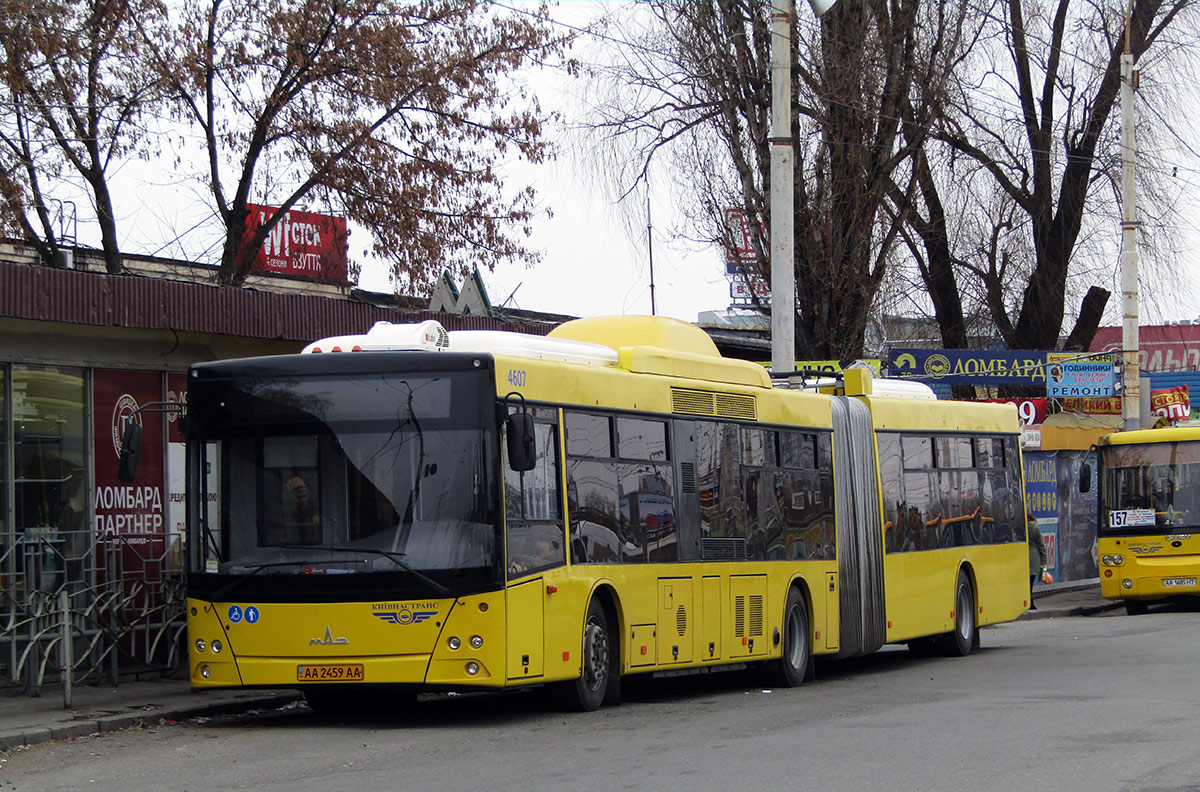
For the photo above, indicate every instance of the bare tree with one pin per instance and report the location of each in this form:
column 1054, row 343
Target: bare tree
column 1029, row 136
column 72, row 92
column 392, row 113
column 699, row 94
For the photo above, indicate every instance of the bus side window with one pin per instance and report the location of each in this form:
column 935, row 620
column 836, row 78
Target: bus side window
column 533, row 509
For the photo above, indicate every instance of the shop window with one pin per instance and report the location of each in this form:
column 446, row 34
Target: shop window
column 5, row 539
column 49, row 487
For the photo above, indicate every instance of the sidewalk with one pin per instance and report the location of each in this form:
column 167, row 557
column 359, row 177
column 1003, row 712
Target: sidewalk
column 1076, row 598
column 25, row 720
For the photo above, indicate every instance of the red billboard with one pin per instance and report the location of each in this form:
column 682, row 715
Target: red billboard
column 1160, row 347
column 302, row 244
column 1032, row 410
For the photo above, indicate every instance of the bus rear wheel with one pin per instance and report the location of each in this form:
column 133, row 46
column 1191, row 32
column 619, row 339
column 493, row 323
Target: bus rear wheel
column 965, row 636
column 590, row 690
column 792, row 667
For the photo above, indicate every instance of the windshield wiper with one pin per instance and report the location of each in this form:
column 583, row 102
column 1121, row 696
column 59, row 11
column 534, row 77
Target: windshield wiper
column 396, row 558
column 231, row 585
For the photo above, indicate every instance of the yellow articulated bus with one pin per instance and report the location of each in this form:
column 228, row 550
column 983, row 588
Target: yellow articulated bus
column 412, row 510
column 1149, row 514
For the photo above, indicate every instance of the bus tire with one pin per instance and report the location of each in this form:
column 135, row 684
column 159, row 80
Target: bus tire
column 1136, row 607
column 588, row 691
column 792, row 667
column 965, row 636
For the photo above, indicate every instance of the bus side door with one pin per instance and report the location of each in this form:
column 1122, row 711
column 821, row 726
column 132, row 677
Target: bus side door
column 526, row 632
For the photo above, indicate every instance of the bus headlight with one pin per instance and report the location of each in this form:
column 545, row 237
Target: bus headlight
column 200, row 645
column 1118, row 559
column 476, row 642
column 205, row 671
column 1106, row 560
column 1127, row 583
column 454, row 643
column 472, row 668
column 217, row 647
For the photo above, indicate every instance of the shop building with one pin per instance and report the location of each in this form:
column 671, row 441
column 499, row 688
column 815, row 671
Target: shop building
column 80, row 351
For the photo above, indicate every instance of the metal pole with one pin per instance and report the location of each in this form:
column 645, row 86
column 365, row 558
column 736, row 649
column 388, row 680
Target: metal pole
column 783, row 274
column 650, row 246
column 1130, row 407
column 68, row 647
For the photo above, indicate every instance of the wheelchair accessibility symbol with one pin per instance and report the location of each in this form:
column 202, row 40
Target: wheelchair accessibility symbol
column 250, row 614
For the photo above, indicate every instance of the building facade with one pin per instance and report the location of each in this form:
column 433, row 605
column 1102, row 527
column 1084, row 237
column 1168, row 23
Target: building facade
column 83, row 554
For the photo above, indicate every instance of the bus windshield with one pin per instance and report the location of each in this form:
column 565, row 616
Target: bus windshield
column 1150, row 488
column 378, row 477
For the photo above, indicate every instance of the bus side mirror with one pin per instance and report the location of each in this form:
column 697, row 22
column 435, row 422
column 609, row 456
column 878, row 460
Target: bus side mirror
column 522, row 451
column 131, row 450
column 1085, row 477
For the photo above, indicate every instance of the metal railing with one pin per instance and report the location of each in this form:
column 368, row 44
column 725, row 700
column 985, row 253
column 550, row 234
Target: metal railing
column 75, row 609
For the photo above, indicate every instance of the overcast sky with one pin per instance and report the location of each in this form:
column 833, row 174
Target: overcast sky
column 595, row 253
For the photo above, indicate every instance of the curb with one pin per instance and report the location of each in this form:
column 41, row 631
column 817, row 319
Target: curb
column 109, row 723
column 1080, row 610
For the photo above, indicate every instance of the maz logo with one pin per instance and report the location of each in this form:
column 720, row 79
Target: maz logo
column 328, row 640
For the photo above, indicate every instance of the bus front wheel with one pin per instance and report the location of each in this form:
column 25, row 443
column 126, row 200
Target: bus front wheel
column 588, row 692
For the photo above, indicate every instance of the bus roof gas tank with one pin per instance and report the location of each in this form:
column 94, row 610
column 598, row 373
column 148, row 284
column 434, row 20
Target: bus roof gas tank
column 631, row 331
column 427, row 336
column 500, row 342
column 859, row 382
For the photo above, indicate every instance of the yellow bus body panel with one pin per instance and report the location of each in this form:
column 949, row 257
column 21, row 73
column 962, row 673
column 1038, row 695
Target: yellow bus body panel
column 397, row 642
column 919, row 586
column 1157, row 565
column 668, row 616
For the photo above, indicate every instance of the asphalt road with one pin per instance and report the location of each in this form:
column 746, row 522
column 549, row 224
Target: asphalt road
column 1099, row 703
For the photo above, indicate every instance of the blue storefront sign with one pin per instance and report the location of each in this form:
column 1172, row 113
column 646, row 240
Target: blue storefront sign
column 969, row 366
column 1072, row 375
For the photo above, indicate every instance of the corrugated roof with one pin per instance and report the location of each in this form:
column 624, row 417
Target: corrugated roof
column 146, row 303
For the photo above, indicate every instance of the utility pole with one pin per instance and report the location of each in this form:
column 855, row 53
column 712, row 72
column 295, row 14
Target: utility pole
column 783, row 172
column 1130, row 403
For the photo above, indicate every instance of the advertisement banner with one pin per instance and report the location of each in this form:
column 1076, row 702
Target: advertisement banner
column 741, row 292
column 1041, row 498
column 743, row 258
column 1160, row 347
column 1075, row 532
column 1071, row 375
column 1171, row 403
column 832, row 368
column 1041, row 485
column 1108, row 406
column 129, row 514
column 969, row 366
column 176, row 470
column 1032, row 411
column 302, row 244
